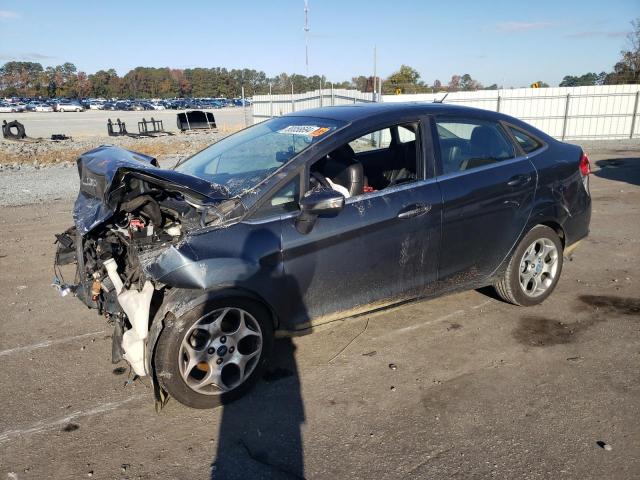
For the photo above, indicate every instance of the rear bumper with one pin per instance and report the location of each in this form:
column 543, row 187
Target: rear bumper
column 576, row 226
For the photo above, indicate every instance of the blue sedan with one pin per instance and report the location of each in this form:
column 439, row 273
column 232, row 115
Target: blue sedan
column 311, row 217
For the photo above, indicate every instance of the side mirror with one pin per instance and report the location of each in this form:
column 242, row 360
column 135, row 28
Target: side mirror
column 315, row 203
column 322, row 201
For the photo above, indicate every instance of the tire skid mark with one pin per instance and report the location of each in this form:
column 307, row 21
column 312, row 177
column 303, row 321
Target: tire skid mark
column 416, row 326
column 48, row 424
column 47, row 343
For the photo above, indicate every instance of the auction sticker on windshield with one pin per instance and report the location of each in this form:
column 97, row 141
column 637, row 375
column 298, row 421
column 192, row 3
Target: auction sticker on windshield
column 310, row 130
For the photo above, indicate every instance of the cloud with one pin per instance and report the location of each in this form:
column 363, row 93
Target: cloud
column 598, row 33
column 509, row 27
column 8, row 15
column 25, row 57
column 37, row 56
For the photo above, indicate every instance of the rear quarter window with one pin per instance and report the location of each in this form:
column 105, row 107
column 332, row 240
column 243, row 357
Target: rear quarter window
column 526, row 142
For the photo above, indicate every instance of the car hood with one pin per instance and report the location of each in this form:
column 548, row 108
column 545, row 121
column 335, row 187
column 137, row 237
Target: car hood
column 103, row 172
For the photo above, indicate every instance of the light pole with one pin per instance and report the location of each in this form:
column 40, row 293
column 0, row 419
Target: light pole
column 293, row 105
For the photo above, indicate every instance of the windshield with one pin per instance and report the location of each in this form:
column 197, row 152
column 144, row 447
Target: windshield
column 241, row 161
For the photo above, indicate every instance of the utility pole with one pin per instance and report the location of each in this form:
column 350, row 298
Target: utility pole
column 306, row 35
column 375, row 71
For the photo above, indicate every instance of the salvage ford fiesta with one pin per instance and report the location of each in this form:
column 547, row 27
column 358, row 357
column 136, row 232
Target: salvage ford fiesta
column 311, row 217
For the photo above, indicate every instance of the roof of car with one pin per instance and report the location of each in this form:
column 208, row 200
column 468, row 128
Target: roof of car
column 365, row 113
column 359, row 111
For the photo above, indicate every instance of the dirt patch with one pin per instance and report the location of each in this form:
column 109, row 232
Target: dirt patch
column 612, row 305
column 546, row 332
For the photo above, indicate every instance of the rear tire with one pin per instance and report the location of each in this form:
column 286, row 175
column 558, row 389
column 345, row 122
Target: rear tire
column 213, row 354
column 534, row 268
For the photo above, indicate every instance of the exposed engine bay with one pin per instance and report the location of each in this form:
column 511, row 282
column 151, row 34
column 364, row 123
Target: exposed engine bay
column 125, row 218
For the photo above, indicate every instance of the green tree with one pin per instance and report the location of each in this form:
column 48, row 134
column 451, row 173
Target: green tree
column 588, row 79
column 22, row 78
column 627, row 69
column 406, row 80
column 467, row 83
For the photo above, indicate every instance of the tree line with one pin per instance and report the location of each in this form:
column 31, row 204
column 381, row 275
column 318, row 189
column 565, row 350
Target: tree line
column 31, row 79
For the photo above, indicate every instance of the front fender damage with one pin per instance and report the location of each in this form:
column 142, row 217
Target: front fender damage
column 138, row 248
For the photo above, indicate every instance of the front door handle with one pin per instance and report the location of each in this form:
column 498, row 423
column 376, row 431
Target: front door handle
column 414, row 210
column 519, row 180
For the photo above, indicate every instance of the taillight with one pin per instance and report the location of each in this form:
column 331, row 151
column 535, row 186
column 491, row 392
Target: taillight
column 585, row 166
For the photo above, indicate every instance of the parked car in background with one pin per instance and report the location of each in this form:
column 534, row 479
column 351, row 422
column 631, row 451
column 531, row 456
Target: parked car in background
column 43, row 107
column 69, row 106
column 123, row 105
column 312, row 217
column 39, row 107
column 8, row 108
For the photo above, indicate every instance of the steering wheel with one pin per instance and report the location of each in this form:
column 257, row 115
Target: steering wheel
column 317, row 179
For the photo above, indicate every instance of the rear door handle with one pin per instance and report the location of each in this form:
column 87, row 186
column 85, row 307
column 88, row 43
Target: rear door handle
column 414, row 210
column 519, row 180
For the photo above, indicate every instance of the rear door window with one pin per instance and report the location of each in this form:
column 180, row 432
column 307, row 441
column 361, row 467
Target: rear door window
column 466, row 144
column 378, row 140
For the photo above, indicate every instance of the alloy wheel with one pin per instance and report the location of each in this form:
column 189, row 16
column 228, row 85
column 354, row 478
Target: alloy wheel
column 538, row 267
column 220, row 351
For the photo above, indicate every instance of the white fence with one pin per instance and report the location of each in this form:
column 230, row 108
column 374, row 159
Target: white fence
column 267, row 106
column 569, row 113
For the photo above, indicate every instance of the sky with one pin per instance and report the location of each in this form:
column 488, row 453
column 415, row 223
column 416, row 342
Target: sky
column 510, row 43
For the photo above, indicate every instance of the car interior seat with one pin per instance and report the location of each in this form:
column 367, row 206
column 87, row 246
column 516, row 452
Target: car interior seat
column 486, row 146
column 342, row 168
column 404, row 163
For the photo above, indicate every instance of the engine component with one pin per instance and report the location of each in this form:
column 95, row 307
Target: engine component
column 136, row 305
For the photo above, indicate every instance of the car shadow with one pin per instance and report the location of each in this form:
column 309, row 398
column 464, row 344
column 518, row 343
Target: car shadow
column 260, row 434
column 625, row 170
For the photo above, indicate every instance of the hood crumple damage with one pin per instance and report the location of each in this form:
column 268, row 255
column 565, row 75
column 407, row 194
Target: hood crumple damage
column 103, row 172
column 134, row 222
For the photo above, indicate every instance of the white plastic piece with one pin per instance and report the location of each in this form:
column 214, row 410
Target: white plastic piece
column 112, row 271
column 173, row 230
column 136, row 306
column 133, row 347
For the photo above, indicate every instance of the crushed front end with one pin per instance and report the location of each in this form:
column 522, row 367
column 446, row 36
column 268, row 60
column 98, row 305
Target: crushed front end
column 127, row 214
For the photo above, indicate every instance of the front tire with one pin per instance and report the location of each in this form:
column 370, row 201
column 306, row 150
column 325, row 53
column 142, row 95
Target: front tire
column 534, row 268
column 214, row 353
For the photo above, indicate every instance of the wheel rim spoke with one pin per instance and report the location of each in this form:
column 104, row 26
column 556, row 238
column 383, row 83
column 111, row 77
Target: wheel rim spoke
column 212, row 377
column 241, row 362
column 243, row 330
column 194, row 358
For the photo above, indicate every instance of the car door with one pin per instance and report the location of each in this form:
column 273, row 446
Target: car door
column 488, row 189
column 381, row 248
